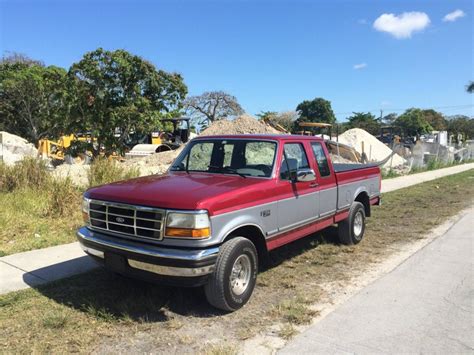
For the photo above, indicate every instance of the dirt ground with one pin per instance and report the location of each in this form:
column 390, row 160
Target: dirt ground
column 102, row 312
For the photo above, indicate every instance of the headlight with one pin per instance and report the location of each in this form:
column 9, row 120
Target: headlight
column 188, row 225
column 85, row 210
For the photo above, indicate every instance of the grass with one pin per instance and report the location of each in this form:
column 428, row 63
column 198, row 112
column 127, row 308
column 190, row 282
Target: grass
column 287, row 331
column 104, row 171
column 38, row 210
column 221, row 349
column 102, row 312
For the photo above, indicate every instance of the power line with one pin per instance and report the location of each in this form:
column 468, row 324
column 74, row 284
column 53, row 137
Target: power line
column 404, row 109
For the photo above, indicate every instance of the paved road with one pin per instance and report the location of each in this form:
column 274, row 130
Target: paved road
column 425, row 305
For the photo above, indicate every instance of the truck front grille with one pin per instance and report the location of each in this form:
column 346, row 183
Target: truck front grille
column 128, row 220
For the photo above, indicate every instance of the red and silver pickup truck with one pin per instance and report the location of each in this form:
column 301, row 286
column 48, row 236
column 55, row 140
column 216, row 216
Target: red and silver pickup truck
column 225, row 203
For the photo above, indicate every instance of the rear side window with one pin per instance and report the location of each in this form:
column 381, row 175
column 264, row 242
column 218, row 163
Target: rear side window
column 321, row 159
column 296, row 152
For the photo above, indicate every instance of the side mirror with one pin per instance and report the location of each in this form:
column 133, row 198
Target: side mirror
column 305, row 175
column 293, row 169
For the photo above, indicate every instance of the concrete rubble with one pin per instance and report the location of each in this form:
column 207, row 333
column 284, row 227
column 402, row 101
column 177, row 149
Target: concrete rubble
column 14, row 148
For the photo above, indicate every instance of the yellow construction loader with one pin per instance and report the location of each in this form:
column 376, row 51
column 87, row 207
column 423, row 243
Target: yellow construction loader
column 56, row 150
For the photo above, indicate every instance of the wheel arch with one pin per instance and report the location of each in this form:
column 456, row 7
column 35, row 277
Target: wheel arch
column 255, row 234
column 363, row 197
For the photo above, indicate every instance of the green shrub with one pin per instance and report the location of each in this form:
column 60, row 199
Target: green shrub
column 33, row 175
column 104, row 171
column 63, row 198
column 388, row 174
column 27, row 173
column 433, row 164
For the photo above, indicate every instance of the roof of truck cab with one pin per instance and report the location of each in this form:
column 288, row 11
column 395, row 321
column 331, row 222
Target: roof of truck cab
column 276, row 137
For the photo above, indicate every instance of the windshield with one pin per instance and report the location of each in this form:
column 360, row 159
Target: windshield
column 228, row 156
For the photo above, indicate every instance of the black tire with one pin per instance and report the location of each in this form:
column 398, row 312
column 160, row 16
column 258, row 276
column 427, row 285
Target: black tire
column 219, row 290
column 348, row 233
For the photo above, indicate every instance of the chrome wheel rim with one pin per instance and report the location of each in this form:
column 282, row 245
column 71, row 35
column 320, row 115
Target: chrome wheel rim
column 240, row 275
column 358, row 224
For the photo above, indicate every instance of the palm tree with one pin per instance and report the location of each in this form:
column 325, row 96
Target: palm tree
column 470, row 87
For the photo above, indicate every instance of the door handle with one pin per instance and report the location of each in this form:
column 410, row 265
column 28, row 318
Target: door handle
column 314, row 184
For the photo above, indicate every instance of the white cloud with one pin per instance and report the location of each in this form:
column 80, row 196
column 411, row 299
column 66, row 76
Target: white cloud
column 360, row 66
column 453, row 16
column 402, row 26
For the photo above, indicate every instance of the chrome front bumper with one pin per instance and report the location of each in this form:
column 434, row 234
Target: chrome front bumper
column 150, row 258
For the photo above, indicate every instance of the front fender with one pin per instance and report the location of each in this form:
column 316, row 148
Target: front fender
column 223, row 225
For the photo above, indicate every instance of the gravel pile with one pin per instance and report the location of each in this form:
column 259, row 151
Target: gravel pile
column 244, row 124
column 14, row 148
column 156, row 163
column 373, row 148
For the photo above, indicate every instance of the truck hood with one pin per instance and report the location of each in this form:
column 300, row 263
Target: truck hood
column 213, row 192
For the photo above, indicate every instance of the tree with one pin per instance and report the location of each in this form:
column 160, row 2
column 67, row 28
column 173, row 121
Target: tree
column 33, row 99
column 413, row 123
column 286, row 119
column 365, row 121
column 116, row 92
column 19, row 58
column 317, row 110
column 389, row 119
column 211, row 106
column 461, row 125
column 435, row 119
column 470, row 87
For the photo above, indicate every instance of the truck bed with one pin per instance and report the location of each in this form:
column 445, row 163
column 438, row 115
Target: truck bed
column 353, row 178
column 342, row 167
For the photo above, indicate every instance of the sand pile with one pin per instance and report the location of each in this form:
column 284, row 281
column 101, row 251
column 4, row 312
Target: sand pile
column 14, row 148
column 373, row 148
column 244, row 124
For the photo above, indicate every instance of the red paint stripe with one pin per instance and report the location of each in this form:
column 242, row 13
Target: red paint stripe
column 298, row 233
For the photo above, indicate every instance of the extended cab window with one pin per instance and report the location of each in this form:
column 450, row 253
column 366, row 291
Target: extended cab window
column 321, row 159
column 228, row 156
column 294, row 151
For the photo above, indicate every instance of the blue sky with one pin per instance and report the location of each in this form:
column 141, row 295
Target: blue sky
column 271, row 54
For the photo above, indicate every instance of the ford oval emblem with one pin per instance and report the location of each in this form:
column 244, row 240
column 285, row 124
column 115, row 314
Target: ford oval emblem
column 120, row 219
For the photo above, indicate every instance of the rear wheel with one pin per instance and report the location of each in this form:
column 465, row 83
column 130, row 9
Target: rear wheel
column 233, row 280
column 351, row 230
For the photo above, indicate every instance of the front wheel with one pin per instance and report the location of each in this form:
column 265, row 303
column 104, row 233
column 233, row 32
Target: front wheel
column 351, row 230
column 233, row 280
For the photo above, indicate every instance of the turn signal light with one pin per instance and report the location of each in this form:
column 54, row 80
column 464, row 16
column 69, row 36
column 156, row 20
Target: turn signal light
column 85, row 217
column 188, row 233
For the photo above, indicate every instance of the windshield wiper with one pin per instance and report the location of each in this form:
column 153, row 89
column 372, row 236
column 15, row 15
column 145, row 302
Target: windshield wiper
column 226, row 168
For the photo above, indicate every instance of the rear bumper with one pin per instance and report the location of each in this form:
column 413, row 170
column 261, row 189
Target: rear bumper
column 183, row 267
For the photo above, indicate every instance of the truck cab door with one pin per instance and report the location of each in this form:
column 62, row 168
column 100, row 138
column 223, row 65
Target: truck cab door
column 297, row 200
column 326, row 179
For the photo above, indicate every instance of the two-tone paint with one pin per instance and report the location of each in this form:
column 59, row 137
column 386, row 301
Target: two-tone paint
column 277, row 211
